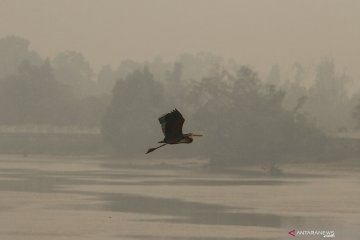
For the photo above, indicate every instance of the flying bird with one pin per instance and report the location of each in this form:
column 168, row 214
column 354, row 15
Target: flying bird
column 171, row 125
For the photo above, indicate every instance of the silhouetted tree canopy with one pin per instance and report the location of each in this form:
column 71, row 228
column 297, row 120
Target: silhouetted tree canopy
column 13, row 51
column 72, row 69
column 244, row 121
column 130, row 122
column 328, row 100
column 243, row 118
column 34, row 96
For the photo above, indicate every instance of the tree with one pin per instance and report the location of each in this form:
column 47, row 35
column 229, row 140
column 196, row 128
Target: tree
column 33, row 96
column 129, row 123
column 175, row 86
column 13, row 51
column 274, row 76
column 106, row 79
column 355, row 103
column 72, row 69
column 244, row 121
column 328, row 100
column 296, row 92
column 91, row 110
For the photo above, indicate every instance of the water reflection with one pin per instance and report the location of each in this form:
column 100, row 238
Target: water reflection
column 180, row 211
column 175, row 210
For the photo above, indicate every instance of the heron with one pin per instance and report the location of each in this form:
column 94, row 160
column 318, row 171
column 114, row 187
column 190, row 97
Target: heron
column 171, row 125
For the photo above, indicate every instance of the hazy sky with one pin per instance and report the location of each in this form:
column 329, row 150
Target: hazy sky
column 256, row 32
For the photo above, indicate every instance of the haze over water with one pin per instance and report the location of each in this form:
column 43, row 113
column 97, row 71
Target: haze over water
column 52, row 197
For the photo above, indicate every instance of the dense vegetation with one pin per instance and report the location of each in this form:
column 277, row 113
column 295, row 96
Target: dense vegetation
column 244, row 118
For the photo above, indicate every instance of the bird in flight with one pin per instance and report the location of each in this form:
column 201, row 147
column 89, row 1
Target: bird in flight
column 171, row 125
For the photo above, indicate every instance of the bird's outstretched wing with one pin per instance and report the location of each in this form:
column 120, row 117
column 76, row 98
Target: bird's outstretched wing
column 172, row 123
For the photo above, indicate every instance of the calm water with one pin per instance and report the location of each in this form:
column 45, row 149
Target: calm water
column 82, row 198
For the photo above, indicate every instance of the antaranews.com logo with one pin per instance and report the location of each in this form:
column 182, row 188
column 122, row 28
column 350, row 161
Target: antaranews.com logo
column 323, row 233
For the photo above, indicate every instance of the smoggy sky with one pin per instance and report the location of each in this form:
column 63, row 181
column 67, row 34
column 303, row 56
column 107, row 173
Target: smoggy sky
column 255, row 32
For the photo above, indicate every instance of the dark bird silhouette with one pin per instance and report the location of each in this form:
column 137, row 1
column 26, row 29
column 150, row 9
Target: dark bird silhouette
column 171, row 125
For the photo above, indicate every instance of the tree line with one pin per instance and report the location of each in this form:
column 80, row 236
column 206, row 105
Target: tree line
column 243, row 118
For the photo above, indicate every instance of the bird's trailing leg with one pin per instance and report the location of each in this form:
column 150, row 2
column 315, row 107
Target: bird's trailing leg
column 153, row 149
column 195, row 135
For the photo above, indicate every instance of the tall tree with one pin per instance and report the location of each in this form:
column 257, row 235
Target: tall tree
column 34, row 96
column 106, row 79
column 274, row 76
column 71, row 68
column 244, row 121
column 130, row 121
column 328, row 100
column 296, row 91
column 13, row 51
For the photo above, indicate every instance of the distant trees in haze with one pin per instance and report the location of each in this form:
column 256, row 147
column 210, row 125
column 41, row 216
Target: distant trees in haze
column 32, row 96
column 245, row 122
column 243, row 118
column 296, row 89
column 13, row 51
column 128, row 124
column 325, row 99
column 274, row 76
column 328, row 99
column 38, row 91
column 72, row 69
column 355, row 100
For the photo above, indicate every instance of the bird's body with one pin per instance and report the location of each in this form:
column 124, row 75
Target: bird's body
column 171, row 125
column 182, row 139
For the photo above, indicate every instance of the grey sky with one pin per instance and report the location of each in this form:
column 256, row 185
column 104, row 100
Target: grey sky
column 257, row 32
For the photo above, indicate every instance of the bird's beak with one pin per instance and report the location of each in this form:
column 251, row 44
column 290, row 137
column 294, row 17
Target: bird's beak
column 196, row 135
